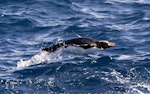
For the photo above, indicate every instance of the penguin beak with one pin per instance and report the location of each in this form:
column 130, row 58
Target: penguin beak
column 111, row 44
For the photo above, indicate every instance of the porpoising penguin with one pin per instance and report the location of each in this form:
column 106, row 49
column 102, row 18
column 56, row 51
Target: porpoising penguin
column 80, row 46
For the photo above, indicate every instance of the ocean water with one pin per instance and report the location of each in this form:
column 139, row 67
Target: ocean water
column 27, row 26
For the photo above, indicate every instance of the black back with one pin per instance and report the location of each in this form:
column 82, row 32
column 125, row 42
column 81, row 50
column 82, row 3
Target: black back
column 78, row 42
column 81, row 42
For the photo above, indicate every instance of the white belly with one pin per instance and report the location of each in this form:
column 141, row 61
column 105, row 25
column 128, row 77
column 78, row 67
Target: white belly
column 79, row 50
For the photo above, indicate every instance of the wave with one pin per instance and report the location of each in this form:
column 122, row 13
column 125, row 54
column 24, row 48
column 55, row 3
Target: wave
column 27, row 26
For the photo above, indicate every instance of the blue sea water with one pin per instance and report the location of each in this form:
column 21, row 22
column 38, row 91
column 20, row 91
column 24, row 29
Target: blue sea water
column 27, row 26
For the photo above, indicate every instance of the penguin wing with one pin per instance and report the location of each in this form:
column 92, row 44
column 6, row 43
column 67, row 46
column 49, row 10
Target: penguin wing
column 53, row 48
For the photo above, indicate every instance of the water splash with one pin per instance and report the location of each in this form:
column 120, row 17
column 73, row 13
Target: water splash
column 42, row 57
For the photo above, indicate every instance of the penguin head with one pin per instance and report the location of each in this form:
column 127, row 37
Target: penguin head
column 105, row 44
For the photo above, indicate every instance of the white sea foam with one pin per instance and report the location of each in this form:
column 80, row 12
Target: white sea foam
column 134, row 87
column 124, row 57
column 42, row 57
column 141, row 85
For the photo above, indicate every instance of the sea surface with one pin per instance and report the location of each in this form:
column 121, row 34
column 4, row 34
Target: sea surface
column 27, row 26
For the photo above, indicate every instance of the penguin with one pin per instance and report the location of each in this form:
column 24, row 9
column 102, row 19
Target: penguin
column 81, row 46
